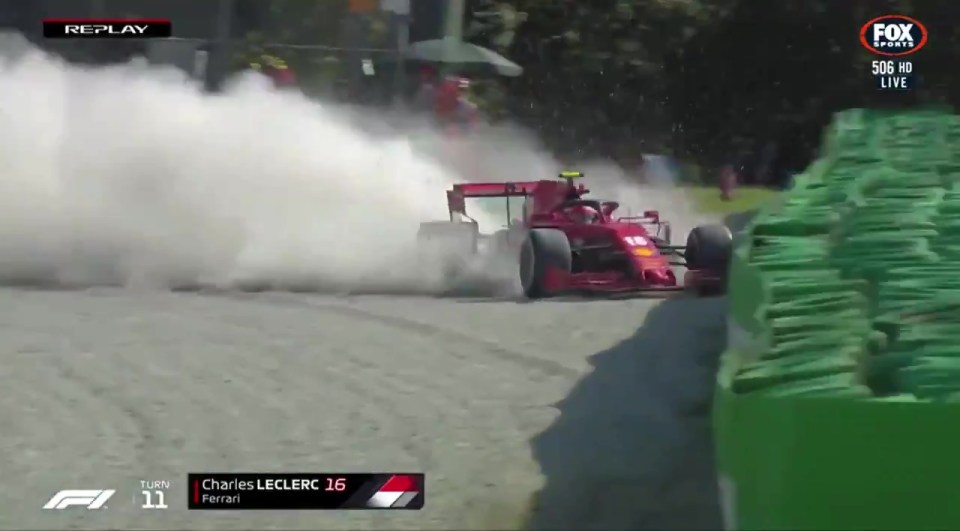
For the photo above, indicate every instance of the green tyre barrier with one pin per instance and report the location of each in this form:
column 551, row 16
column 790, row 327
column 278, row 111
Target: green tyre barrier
column 838, row 397
column 837, row 463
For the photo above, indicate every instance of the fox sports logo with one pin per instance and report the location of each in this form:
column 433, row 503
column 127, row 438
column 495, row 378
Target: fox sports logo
column 893, row 35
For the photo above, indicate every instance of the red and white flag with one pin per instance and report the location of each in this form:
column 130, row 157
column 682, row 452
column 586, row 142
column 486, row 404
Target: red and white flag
column 397, row 492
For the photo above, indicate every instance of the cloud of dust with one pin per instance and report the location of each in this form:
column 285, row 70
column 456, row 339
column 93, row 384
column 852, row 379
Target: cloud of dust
column 132, row 175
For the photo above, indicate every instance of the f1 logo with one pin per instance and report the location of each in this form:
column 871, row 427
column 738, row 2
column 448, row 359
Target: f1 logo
column 892, row 33
column 91, row 499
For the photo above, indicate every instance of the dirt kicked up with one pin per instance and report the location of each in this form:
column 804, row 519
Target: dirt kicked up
column 558, row 413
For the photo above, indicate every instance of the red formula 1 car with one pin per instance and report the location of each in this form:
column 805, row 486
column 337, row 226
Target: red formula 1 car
column 565, row 242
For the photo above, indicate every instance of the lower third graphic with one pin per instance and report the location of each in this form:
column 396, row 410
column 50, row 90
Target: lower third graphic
column 305, row 490
column 397, row 493
column 91, row 499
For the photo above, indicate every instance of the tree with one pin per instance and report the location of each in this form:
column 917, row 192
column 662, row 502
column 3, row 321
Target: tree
column 702, row 78
column 697, row 78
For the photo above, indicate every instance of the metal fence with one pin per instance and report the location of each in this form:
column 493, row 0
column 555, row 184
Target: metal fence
column 349, row 50
column 320, row 69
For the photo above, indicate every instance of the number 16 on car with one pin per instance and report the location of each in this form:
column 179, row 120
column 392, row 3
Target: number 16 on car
column 153, row 495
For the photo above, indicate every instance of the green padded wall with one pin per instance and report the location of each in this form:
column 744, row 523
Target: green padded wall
column 838, row 398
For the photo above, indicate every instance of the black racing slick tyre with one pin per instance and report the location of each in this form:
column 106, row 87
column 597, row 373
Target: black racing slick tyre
column 542, row 250
column 709, row 249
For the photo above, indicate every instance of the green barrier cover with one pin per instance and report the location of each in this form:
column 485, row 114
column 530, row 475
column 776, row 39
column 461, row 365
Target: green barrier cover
column 838, row 399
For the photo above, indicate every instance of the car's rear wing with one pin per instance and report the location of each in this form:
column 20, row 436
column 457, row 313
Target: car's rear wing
column 517, row 189
column 456, row 196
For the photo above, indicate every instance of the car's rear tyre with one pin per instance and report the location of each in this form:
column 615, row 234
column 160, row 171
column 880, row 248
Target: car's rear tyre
column 543, row 250
column 709, row 249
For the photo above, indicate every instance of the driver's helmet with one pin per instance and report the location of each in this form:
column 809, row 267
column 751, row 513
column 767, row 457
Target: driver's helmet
column 276, row 69
column 584, row 214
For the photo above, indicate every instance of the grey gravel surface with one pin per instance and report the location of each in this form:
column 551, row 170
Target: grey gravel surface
column 559, row 414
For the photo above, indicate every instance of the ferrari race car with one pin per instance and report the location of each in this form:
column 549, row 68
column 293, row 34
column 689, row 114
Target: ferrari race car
column 565, row 242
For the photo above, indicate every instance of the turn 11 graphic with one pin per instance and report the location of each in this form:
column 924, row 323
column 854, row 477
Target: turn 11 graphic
column 153, row 494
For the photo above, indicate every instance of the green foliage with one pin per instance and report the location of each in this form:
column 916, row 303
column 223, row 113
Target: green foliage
column 702, row 78
column 296, row 21
column 745, row 199
column 314, row 38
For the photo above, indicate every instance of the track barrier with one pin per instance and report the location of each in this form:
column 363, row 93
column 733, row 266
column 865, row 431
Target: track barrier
column 838, row 398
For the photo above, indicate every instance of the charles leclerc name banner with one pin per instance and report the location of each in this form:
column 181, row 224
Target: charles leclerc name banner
column 224, row 491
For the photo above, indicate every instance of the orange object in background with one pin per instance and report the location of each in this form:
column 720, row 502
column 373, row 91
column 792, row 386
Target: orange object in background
column 728, row 182
column 363, row 6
